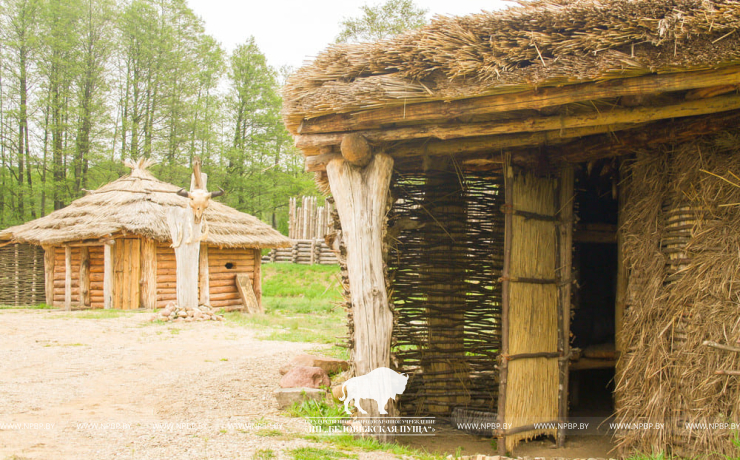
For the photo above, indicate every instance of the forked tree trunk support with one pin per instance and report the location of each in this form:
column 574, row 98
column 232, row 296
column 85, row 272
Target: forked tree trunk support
column 361, row 195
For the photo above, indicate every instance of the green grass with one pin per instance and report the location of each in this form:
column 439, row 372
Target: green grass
column 300, row 305
column 41, row 306
column 101, row 314
column 264, row 454
column 313, row 453
column 318, row 409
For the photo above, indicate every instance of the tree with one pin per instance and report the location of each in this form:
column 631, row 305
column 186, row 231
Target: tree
column 382, row 21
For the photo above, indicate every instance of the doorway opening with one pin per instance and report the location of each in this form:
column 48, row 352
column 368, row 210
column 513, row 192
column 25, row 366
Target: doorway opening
column 595, row 261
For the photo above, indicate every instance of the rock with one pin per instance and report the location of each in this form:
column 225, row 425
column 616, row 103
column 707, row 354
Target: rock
column 165, row 313
column 182, row 314
column 189, row 319
column 337, row 392
column 304, row 376
column 219, row 318
column 329, row 365
column 287, row 396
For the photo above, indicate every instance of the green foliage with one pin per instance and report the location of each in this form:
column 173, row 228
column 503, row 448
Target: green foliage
column 41, row 306
column 312, row 453
column 85, row 84
column 382, row 21
column 350, row 442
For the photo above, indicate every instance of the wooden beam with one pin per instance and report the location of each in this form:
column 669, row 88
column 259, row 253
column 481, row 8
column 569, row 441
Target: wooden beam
column 661, row 132
column 246, row 294
column 616, row 116
column 49, row 263
column 566, row 199
column 361, row 195
column 257, row 275
column 108, row 276
column 67, row 278
column 536, row 99
column 84, row 296
column 204, row 287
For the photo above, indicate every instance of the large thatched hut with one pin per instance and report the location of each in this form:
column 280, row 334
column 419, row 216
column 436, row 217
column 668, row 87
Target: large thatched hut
column 500, row 174
column 112, row 247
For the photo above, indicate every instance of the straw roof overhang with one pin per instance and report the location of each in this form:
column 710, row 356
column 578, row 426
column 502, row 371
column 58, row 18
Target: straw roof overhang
column 138, row 204
column 546, row 73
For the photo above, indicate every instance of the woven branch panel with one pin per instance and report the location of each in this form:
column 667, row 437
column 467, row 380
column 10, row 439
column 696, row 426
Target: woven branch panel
column 446, row 234
column 21, row 275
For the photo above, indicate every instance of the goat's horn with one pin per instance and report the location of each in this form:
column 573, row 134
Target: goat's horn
column 182, row 192
column 219, row 193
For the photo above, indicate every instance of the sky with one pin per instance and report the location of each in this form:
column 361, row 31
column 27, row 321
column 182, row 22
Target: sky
column 291, row 32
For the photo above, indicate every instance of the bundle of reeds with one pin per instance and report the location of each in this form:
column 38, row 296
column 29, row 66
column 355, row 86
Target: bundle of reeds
column 668, row 375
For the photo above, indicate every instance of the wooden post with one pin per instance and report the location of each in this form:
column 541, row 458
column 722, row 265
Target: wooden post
column 204, row 286
column 565, row 262
column 84, row 296
column 504, row 364
column 361, row 195
column 67, row 278
column 187, row 255
column 49, row 275
column 17, row 278
column 622, row 275
column 257, row 275
column 148, row 280
column 108, row 275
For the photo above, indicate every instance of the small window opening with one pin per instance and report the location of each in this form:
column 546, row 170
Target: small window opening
column 229, row 265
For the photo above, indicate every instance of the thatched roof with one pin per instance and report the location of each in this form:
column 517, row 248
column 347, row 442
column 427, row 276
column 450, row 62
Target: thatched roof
column 138, row 204
column 538, row 44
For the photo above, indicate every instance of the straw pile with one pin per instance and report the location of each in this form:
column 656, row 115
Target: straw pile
column 532, row 387
column 540, row 43
column 139, row 204
column 667, row 375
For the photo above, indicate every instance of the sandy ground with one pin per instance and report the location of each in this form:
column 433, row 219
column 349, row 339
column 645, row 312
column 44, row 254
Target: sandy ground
column 124, row 388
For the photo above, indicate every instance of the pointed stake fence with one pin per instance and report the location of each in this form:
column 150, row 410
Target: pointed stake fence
column 308, row 225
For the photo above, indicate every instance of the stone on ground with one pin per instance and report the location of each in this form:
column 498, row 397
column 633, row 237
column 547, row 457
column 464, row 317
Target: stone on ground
column 305, row 376
column 287, row 396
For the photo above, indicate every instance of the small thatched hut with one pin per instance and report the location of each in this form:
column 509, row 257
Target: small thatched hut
column 497, row 174
column 112, row 247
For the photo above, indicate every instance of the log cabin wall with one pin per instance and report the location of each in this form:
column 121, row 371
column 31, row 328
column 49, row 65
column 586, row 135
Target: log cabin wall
column 223, row 266
column 166, row 275
column 96, row 276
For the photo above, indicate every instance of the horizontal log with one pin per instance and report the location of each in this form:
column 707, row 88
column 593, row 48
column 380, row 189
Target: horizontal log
column 226, row 303
column 222, row 289
column 225, row 296
column 221, row 276
column 535, row 99
column 222, row 282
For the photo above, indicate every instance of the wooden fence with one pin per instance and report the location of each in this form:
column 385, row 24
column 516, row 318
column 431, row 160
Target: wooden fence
column 309, row 221
column 304, row 252
column 21, row 275
column 308, row 225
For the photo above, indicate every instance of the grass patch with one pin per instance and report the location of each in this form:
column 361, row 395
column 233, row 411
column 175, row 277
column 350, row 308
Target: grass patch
column 301, row 305
column 313, row 409
column 264, row 454
column 41, row 306
column 268, row 433
column 313, row 453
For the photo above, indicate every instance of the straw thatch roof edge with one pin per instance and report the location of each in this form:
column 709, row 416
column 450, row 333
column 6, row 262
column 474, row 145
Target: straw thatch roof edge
column 138, row 204
column 537, row 44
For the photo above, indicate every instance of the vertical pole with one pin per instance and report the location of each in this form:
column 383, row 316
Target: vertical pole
column 67, row 278
column 257, row 277
column 503, row 364
column 108, row 275
column 361, row 195
column 204, row 285
column 17, row 280
column 49, row 275
column 565, row 262
column 84, row 281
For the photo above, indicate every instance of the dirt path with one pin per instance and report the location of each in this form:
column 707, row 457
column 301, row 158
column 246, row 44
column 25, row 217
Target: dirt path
column 124, row 388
